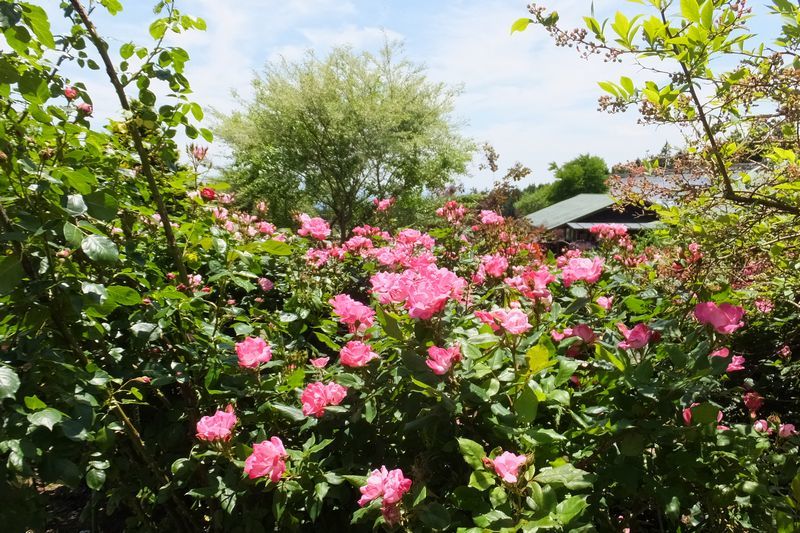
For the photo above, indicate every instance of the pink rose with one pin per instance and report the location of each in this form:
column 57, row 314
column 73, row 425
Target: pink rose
column 70, row 92
column 762, row 426
column 199, row 152
column 207, row 193
column 490, row 218
column 585, row 333
column 316, row 227
column 357, row 316
column 513, row 321
column 265, row 284
column 317, row 396
column 494, row 265
column 84, row 108
column 638, row 337
column 582, row 268
column 253, row 351
column 218, row 426
column 753, row 401
column 267, row 460
column 605, row 302
column 507, row 465
column 320, row 362
column 724, row 318
column 786, row 430
column 356, row 354
column 387, row 484
column 441, row 360
column 383, row 205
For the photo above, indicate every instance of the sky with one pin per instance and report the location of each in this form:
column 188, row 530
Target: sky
column 534, row 102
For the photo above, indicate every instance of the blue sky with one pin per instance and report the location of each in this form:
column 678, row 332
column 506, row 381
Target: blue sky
column 534, row 102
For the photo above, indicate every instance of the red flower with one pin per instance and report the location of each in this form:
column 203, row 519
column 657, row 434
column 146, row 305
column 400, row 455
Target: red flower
column 208, row 193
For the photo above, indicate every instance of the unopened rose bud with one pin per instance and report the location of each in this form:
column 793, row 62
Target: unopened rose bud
column 70, row 92
column 85, row 109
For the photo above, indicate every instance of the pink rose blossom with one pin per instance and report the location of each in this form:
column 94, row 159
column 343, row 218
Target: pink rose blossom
column 384, row 204
column 507, row 465
column 317, row 396
column 494, row 265
column 765, row 306
column 762, row 426
column 320, row 362
column 736, row 364
column 582, row 269
column 390, row 485
column 265, row 284
column 357, row 316
column 786, row 430
column 605, row 302
column 316, row 227
column 253, row 351
column 513, row 321
column 70, row 92
column 491, row 218
column 638, row 337
column 84, row 108
column 441, row 360
column 724, row 318
column 356, row 354
column 218, row 426
column 267, row 459
column 753, row 401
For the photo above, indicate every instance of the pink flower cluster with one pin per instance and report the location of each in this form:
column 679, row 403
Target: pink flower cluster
column 452, row 211
column 384, row 204
column 533, row 284
column 513, row 320
column 390, row 486
column 582, row 269
column 507, row 465
column 357, row 316
column 423, row 291
column 317, row 396
column 315, row 227
column 218, row 426
column 609, row 232
column 638, row 337
column 724, row 318
column 356, row 354
column 441, row 360
column 491, row 218
column 582, row 331
column 253, row 351
column 493, row 265
column 267, row 460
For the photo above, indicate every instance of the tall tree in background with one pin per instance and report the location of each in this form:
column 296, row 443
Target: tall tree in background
column 584, row 174
column 334, row 133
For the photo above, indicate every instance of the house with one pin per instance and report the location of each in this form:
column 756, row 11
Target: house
column 569, row 220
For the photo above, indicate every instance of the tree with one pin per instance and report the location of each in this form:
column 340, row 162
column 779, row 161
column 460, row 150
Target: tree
column 334, row 133
column 534, row 198
column 584, row 174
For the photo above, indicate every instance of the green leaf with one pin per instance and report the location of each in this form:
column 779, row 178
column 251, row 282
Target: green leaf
column 690, row 10
column 526, row 405
column 123, row 295
column 101, row 205
column 435, row 516
column 539, row 358
column 520, row 24
column 707, row 14
column 34, row 403
column 274, row 247
column 705, row 413
column 292, row 413
column 472, row 451
column 36, row 17
column 11, row 273
column 95, row 478
column 627, row 84
column 46, row 417
column 567, row 475
column 481, row 480
column 100, row 249
column 126, row 50
column 75, row 205
column 9, row 382
column 72, row 234
column 570, row 509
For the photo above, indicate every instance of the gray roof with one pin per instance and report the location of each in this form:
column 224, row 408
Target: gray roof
column 570, row 209
column 629, row 225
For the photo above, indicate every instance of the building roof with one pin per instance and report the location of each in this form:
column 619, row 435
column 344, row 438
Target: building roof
column 630, row 225
column 570, row 209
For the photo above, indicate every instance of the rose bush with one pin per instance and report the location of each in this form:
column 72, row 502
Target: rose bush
column 197, row 368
